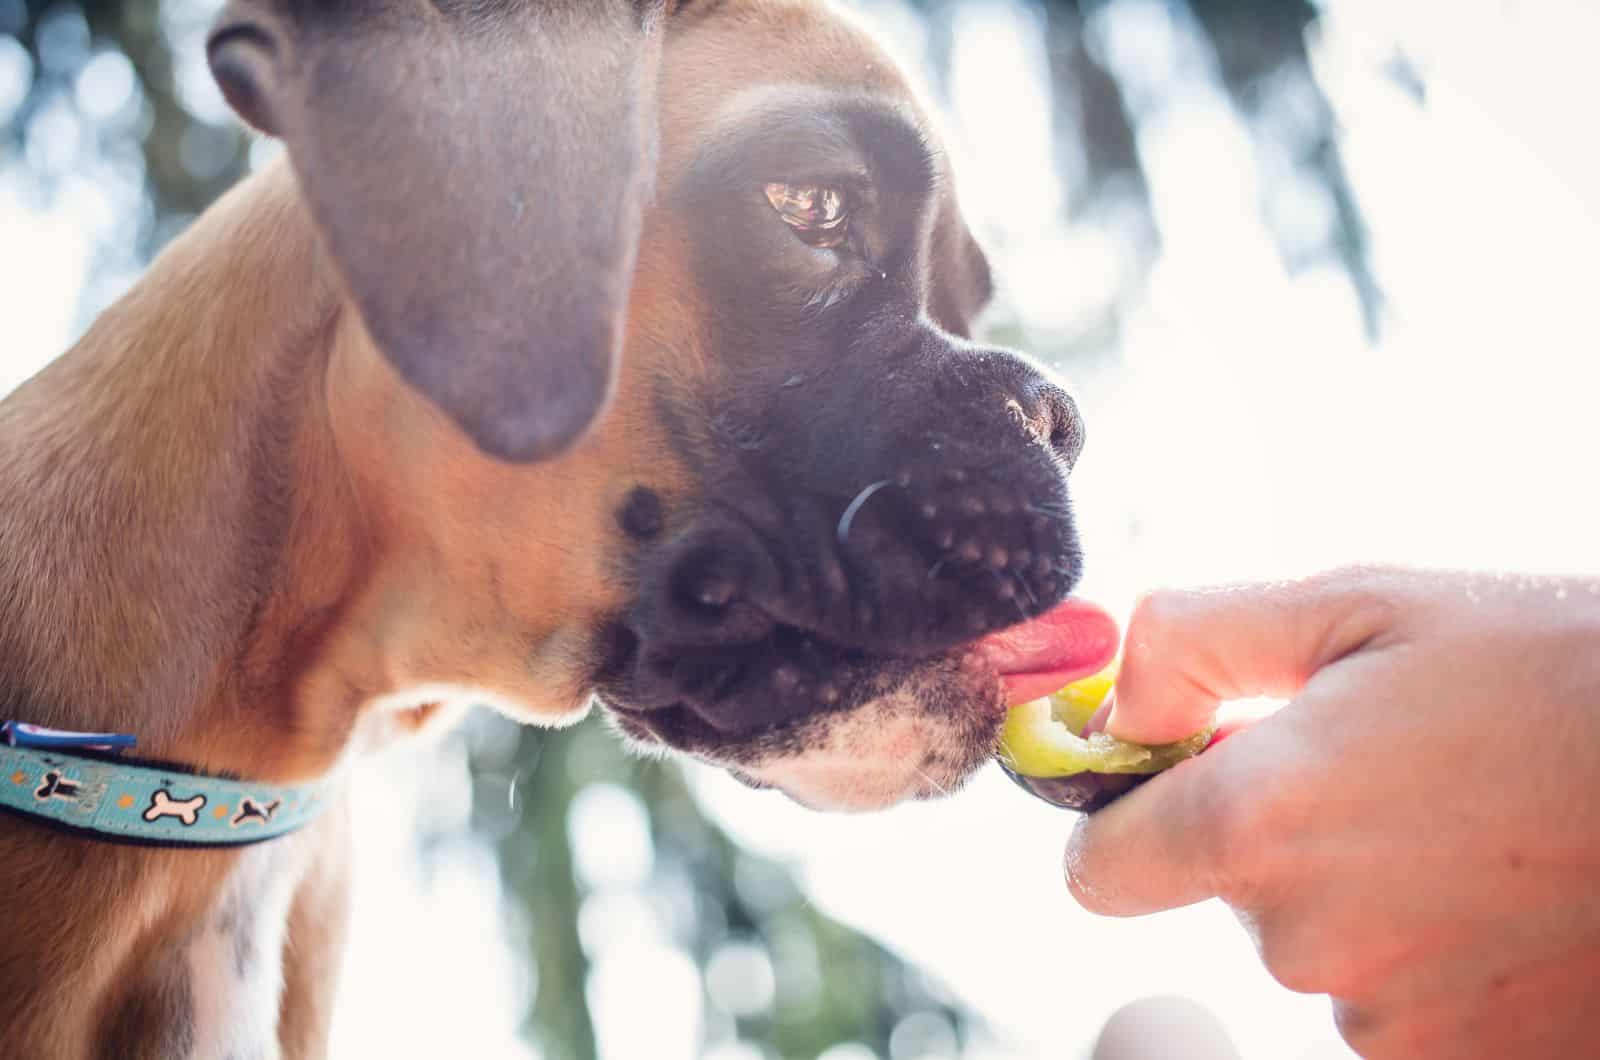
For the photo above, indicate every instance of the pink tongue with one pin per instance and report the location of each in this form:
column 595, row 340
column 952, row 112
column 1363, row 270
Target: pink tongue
column 1038, row 657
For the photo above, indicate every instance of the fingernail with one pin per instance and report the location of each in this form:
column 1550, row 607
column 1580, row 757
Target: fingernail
column 1099, row 719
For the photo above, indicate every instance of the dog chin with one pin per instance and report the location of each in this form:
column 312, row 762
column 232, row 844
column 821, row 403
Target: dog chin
column 922, row 738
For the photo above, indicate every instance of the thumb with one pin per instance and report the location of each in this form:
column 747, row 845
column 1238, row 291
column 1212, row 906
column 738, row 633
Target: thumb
column 1201, row 828
column 1188, row 650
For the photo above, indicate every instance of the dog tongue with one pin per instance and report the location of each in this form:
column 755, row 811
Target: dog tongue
column 1038, row 657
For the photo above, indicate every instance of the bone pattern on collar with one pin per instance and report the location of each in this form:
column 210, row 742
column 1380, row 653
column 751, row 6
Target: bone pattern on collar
column 126, row 802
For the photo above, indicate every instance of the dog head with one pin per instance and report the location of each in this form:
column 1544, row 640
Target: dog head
column 814, row 496
column 867, row 492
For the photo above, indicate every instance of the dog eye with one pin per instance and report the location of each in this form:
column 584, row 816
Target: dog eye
column 818, row 213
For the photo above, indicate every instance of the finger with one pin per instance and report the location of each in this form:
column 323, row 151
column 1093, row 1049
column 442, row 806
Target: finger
column 1225, row 727
column 1186, row 651
column 1197, row 831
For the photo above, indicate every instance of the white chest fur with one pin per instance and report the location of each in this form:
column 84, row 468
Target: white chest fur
column 235, row 960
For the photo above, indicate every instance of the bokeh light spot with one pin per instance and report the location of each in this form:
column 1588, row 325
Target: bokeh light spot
column 735, row 1051
column 615, row 918
column 107, row 86
column 16, row 75
column 610, row 836
column 739, row 978
column 53, row 140
column 923, row 1036
column 61, row 39
column 646, row 1001
column 848, row 1051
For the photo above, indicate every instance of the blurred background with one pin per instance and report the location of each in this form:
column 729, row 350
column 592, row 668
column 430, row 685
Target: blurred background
column 1322, row 274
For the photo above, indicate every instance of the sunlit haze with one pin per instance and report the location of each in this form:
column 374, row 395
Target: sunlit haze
column 1244, row 423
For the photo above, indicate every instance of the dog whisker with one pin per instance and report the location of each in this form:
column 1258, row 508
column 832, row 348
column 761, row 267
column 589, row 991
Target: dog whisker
column 940, row 788
column 849, row 516
column 1022, row 583
column 1022, row 612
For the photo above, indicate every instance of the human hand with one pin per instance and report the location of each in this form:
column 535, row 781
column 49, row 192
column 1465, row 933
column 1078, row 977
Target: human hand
column 1416, row 833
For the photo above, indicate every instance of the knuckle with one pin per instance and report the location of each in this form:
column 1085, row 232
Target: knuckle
column 1366, row 602
column 1290, row 963
column 1244, row 826
column 1357, row 578
column 1234, row 849
column 1317, row 945
column 1356, row 1024
column 1304, row 952
column 1356, row 587
column 1156, row 622
column 1159, row 610
column 1375, row 1033
column 1350, row 575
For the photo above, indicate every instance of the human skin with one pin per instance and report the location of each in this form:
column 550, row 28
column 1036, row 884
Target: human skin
column 1416, row 833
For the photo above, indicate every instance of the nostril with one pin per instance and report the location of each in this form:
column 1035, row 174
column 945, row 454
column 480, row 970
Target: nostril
column 1068, row 443
column 1066, row 423
column 1052, row 417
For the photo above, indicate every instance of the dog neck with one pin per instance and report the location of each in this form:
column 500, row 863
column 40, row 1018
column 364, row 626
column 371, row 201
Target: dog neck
column 163, row 483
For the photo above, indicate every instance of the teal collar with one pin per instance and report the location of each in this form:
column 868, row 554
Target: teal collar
column 93, row 793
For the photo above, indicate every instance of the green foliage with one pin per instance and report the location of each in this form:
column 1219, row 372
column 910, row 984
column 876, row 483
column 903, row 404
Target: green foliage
column 1259, row 51
column 831, row 984
column 187, row 158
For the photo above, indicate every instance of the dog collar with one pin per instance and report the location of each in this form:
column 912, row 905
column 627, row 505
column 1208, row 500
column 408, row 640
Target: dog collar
column 84, row 791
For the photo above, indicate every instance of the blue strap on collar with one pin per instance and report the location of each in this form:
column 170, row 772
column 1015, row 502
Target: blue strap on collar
column 129, row 802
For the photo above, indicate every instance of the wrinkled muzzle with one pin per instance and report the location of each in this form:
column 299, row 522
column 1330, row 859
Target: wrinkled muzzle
column 847, row 523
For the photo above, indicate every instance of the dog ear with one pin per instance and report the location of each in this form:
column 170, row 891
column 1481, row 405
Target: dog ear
column 478, row 169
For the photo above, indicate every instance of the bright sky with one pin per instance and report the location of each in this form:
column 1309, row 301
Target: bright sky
column 1250, row 432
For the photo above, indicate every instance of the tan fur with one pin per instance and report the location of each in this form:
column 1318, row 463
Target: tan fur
column 226, row 524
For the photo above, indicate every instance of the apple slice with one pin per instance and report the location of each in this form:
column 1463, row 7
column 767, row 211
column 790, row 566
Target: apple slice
column 1044, row 748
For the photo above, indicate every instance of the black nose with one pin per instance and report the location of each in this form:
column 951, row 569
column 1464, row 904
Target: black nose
column 1067, row 433
column 1050, row 414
